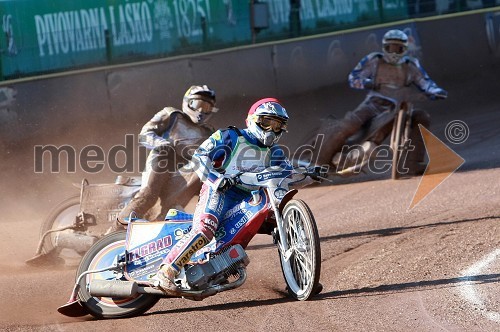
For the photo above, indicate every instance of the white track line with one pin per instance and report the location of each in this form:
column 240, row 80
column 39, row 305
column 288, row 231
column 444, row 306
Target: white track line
column 468, row 290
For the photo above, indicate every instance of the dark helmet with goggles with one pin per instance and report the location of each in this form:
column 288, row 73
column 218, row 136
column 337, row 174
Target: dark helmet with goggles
column 199, row 103
column 267, row 120
column 395, row 46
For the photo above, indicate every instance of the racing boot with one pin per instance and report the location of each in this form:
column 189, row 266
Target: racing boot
column 163, row 279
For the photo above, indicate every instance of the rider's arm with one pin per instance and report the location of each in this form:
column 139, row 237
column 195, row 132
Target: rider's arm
column 151, row 135
column 420, row 78
column 209, row 159
column 278, row 158
column 363, row 75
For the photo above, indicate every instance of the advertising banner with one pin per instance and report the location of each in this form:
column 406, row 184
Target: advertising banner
column 48, row 36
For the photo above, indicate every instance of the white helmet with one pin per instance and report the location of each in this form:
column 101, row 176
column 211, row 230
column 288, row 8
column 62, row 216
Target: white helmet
column 199, row 103
column 395, row 45
column 267, row 120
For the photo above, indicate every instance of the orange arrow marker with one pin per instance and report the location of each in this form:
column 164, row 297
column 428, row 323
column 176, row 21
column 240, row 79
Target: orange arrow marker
column 443, row 161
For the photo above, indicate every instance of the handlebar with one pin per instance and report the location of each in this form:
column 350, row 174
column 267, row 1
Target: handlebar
column 438, row 96
column 409, row 93
column 277, row 175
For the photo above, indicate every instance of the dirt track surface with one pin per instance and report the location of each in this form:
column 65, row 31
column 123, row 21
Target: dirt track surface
column 384, row 267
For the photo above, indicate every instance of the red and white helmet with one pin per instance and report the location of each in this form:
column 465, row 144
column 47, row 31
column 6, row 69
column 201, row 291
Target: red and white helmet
column 267, row 120
column 199, row 103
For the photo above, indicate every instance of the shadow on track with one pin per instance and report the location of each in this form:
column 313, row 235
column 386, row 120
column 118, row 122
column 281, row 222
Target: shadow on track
column 410, row 286
column 226, row 306
column 385, row 231
column 365, row 291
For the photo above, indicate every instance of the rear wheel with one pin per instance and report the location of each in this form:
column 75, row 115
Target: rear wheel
column 64, row 214
column 101, row 255
column 301, row 259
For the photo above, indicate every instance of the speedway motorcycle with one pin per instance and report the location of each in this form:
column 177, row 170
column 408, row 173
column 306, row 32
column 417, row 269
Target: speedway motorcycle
column 78, row 222
column 394, row 123
column 113, row 279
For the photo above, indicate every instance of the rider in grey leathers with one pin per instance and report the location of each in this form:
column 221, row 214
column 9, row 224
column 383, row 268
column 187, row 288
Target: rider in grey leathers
column 375, row 72
column 172, row 135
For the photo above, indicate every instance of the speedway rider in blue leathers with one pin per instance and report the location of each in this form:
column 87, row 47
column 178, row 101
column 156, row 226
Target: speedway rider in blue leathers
column 217, row 161
column 379, row 72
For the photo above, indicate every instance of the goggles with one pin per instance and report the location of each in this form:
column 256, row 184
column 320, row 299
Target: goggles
column 394, row 48
column 268, row 123
column 202, row 106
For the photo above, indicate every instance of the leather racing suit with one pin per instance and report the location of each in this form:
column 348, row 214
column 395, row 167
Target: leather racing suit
column 375, row 74
column 227, row 152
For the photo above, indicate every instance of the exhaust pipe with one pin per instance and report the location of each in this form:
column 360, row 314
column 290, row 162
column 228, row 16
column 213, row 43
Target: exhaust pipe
column 120, row 289
column 113, row 288
column 124, row 289
column 76, row 241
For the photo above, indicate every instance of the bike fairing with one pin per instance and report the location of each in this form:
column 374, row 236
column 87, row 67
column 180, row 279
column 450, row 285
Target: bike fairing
column 147, row 243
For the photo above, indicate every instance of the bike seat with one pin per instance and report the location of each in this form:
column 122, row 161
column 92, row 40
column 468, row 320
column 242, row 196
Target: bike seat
column 177, row 215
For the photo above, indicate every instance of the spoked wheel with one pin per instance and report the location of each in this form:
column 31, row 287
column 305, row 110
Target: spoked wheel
column 301, row 259
column 62, row 215
column 399, row 137
column 101, row 255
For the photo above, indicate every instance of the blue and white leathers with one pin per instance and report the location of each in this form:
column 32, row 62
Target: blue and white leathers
column 373, row 69
column 226, row 152
column 382, row 79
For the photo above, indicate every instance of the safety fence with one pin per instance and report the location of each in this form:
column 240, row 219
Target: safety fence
column 41, row 37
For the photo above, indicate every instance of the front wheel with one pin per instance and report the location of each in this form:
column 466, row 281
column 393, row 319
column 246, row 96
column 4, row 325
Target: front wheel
column 301, row 258
column 399, row 138
column 101, row 255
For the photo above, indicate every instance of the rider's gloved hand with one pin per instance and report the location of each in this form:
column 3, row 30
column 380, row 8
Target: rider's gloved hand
column 437, row 93
column 164, row 148
column 368, row 83
column 318, row 173
column 227, row 182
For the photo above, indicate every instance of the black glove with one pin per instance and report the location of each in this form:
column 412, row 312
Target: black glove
column 437, row 93
column 368, row 83
column 226, row 183
column 164, row 148
column 318, row 173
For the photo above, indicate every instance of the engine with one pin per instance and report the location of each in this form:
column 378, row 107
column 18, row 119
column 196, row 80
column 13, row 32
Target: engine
column 226, row 263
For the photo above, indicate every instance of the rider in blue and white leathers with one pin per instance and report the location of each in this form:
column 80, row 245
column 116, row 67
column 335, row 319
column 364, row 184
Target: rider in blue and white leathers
column 379, row 72
column 217, row 161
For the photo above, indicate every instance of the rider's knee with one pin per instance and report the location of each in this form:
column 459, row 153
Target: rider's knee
column 208, row 227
